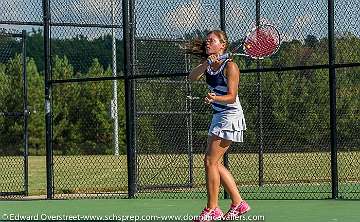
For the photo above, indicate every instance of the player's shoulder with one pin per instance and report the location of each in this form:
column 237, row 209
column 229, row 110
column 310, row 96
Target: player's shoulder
column 231, row 65
column 231, row 68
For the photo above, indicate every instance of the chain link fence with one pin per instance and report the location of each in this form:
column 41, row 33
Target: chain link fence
column 88, row 118
column 13, row 115
column 118, row 65
column 348, row 122
column 286, row 153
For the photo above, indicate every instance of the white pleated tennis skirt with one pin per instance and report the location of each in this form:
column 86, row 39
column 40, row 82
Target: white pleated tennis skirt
column 228, row 126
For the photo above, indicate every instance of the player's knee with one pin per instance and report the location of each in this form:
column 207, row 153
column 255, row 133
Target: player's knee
column 209, row 162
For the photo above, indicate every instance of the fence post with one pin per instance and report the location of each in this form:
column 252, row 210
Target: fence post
column 223, row 28
column 26, row 115
column 48, row 124
column 332, row 87
column 260, row 133
column 114, row 101
column 129, row 45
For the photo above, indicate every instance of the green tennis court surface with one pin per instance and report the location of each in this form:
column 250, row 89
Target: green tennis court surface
column 179, row 210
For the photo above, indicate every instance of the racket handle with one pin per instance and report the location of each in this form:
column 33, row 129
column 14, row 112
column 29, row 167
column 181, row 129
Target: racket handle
column 222, row 57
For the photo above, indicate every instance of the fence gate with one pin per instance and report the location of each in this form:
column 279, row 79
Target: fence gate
column 13, row 115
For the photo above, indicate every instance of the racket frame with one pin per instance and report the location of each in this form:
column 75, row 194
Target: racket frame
column 229, row 54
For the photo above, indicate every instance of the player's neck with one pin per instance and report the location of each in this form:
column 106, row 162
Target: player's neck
column 216, row 66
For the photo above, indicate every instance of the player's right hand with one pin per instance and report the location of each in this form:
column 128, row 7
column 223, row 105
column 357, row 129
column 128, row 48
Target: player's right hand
column 212, row 59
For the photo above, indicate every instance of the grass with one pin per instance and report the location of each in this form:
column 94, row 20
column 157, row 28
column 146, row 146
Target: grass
column 284, row 173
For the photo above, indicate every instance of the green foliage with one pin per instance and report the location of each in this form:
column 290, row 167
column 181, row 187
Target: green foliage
column 295, row 104
column 80, row 50
column 348, row 108
column 163, row 108
column 11, row 91
column 36, row 106
column 11, row 100
column 81, row 117
column 35, row 48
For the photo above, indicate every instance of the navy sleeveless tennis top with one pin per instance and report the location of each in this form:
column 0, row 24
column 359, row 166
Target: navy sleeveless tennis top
column 217, row 83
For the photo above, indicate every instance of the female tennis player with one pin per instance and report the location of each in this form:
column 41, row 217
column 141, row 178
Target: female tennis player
column 227, row 126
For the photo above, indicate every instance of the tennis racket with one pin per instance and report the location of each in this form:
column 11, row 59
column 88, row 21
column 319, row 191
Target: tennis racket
column 262, row 41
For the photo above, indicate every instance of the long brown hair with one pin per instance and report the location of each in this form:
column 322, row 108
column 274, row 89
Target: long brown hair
column 197, row 46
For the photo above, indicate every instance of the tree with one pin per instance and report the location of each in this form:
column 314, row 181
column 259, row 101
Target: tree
column 66, row 132
column 81, row 112
column 36, row 107
column 11, row 131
